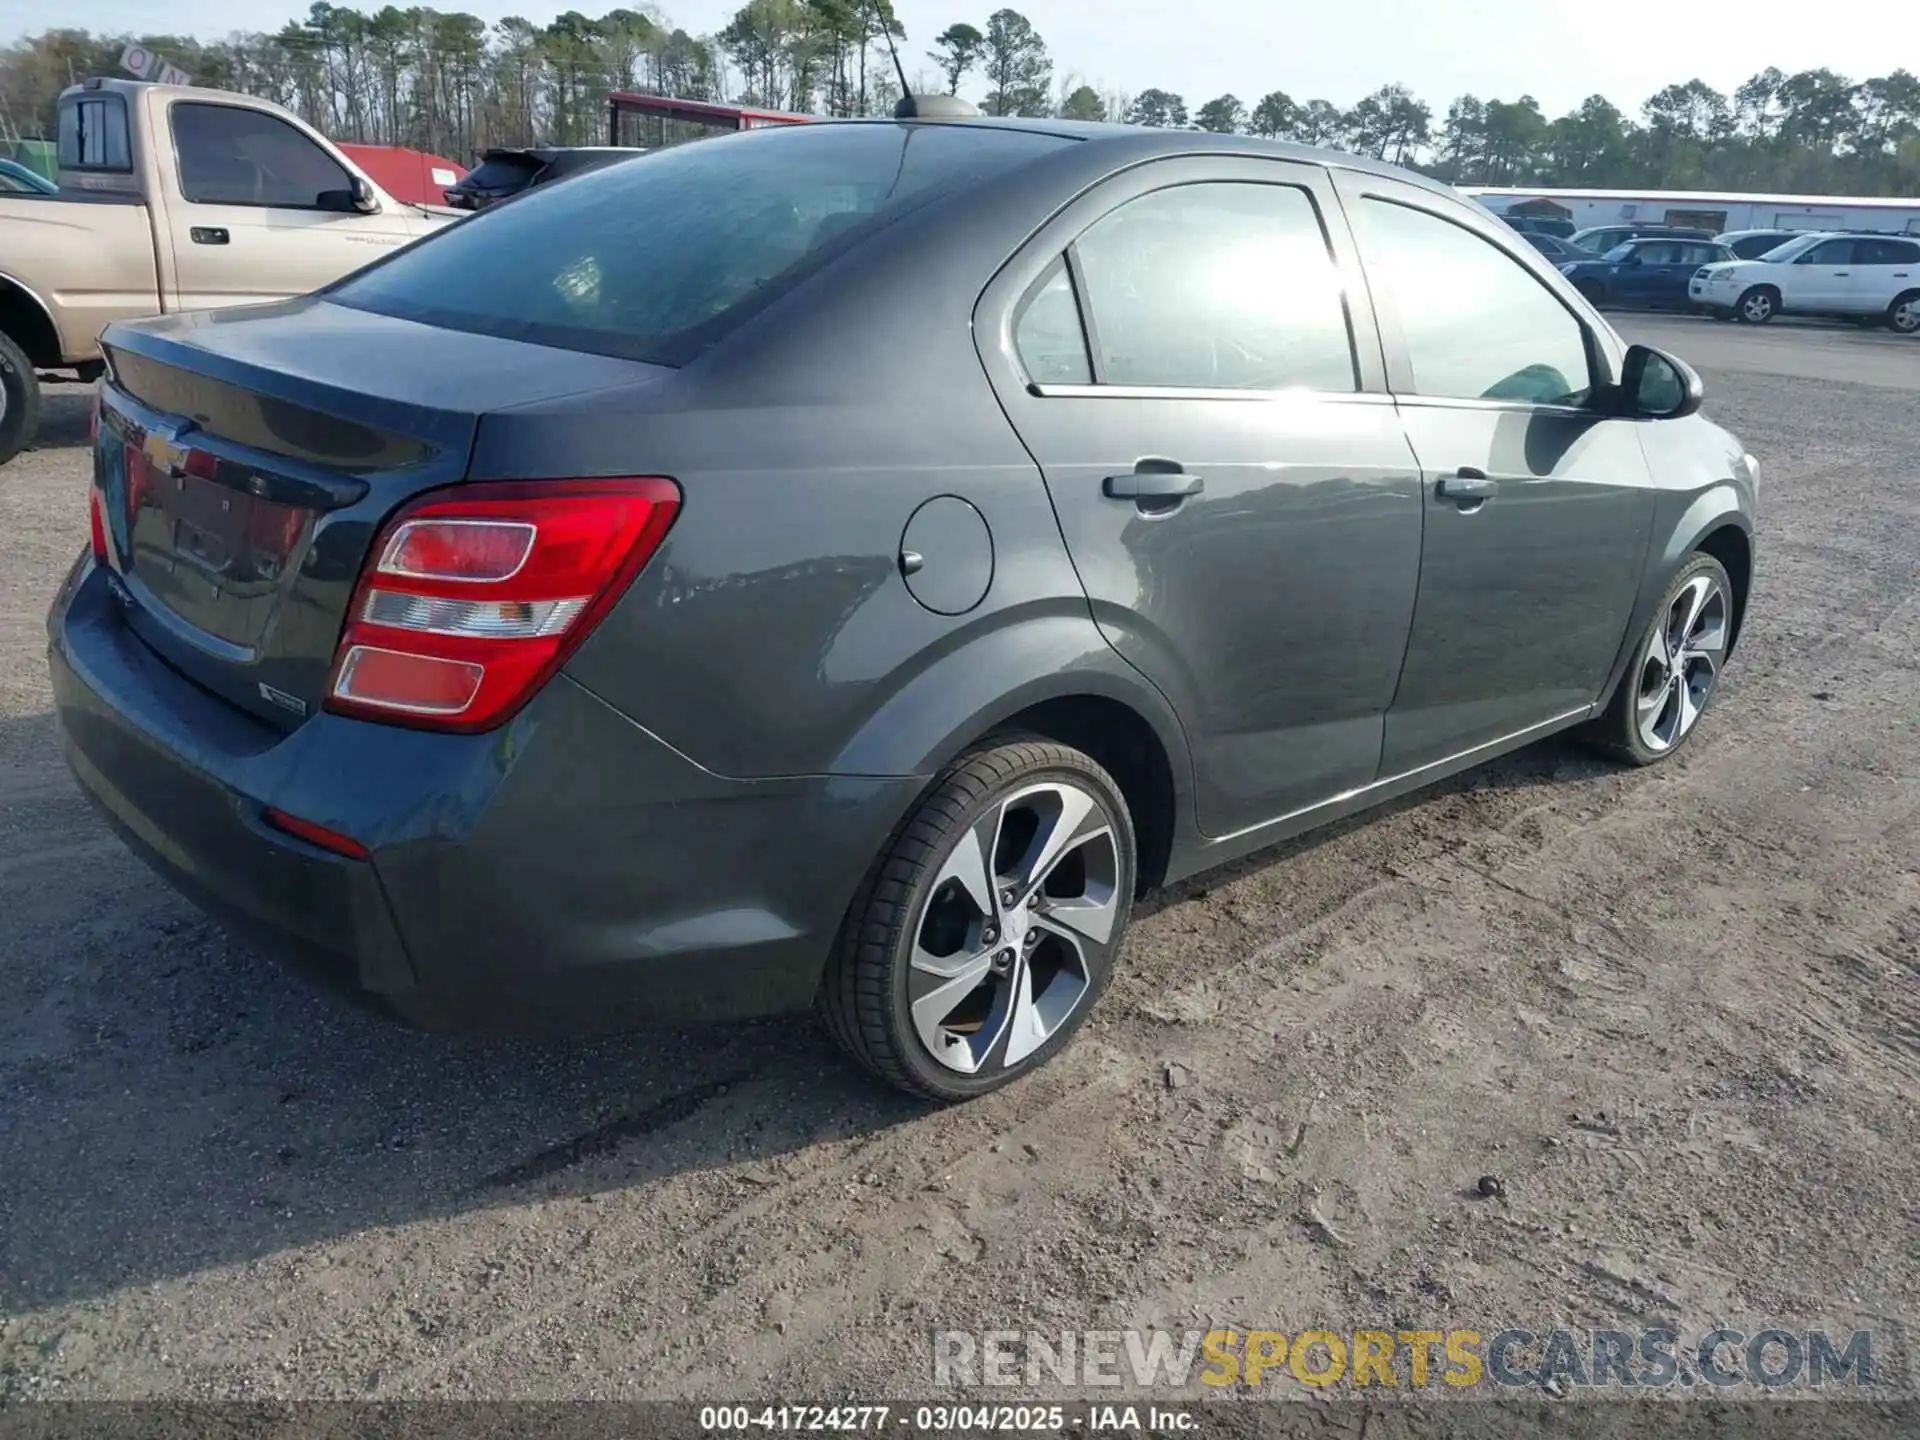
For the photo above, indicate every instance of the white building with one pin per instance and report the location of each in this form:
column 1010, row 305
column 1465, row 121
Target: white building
column 1709, row 210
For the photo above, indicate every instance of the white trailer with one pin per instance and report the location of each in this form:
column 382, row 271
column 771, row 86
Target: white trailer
column 1717, row 211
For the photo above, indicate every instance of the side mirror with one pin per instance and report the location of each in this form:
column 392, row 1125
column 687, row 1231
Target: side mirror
column 357, row 199
column 1657, row 386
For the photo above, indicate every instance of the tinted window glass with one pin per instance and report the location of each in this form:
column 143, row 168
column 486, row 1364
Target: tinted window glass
column 1218, row 286
column 93, row 134
column 1884, row 252
column 231, row 156
column 1476, row 323
column 498, row 172
column 1052, row 344
column 658, row 260
column 1619, row 252
column 1658, row 252
column 1831, row 252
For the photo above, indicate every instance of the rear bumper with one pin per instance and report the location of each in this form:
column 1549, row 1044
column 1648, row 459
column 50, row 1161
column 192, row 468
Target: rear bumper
column 567, row 874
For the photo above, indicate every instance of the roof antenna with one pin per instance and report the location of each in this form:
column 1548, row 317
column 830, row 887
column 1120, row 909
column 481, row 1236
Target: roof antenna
column 918, row 107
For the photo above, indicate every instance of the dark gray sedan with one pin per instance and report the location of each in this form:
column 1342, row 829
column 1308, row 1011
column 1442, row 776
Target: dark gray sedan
column 850, row 584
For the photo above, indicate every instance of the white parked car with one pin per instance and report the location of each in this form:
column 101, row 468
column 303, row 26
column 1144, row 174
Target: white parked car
column 1870, row 278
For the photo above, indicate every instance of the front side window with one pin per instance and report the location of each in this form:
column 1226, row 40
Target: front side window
column 234, row 156
column 1221, row 285
column 1830, row 252
column 1476, row 323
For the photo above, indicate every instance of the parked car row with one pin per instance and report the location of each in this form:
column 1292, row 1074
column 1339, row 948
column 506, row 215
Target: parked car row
column 1746, row 275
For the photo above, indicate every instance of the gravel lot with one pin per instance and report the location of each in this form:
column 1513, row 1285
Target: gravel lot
column 215, row 1184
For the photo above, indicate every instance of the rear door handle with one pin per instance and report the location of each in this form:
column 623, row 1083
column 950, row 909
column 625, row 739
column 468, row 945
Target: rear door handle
column 1468, row 487
column 1152, row 485
column 208, row 235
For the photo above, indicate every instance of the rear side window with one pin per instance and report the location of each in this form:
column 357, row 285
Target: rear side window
column 93, row 134
column 658, row 259
column 1476, row 323
column 1048, row 335
column 1222, row 285
column 233, row 156
column 1885, row 252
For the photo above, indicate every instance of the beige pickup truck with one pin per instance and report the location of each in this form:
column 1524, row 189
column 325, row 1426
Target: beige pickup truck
column 173, row 198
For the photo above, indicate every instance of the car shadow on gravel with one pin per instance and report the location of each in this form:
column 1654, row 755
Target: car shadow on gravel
column 177, row 1102
column 64, row 412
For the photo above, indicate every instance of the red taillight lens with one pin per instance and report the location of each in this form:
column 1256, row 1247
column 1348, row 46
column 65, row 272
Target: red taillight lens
column 474, row 596
column 317, row 834
column 97, row 524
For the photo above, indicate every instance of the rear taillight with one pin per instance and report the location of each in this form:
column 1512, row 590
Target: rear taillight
column 96, row 502
column 97, row 524
column 473, row 597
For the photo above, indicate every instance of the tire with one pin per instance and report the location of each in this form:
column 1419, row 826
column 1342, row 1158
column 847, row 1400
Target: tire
column 931, row 896
column 1903, row 315
column 1757, row 306
column 19, row 400
column 1649, row 718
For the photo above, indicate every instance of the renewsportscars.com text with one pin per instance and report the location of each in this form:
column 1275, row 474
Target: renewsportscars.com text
column 1768, row 1359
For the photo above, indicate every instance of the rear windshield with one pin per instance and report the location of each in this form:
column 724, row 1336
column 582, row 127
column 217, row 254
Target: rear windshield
column 658, row 261
column 503, row 170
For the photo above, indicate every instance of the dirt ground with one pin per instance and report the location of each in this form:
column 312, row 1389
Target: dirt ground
column 1676, row 1012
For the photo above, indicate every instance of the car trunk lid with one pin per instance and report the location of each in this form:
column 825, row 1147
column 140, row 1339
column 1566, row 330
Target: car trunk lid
column 246, row 459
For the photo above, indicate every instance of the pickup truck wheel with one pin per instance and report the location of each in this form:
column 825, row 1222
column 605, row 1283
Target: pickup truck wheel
column 19, row 400
column 1903, row 316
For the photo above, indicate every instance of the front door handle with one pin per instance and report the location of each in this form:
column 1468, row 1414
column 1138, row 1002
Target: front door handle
column 1467, row 488
column 1152, row 485
column 208, row 235
column 1843, row 274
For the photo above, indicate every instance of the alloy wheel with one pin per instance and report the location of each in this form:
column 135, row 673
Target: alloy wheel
column 1906, row 316
column 1020, row 913
column 1680, row 663
column 1757, row 307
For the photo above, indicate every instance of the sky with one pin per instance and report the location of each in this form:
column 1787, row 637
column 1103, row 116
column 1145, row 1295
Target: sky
column 1337, row 50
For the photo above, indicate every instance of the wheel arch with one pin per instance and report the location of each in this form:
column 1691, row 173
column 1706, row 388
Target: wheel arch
column 25, row 318
column 1054, row 676
column 1715, row 523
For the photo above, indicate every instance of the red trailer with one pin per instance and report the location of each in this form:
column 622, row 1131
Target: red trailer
column 656, row 121
column 411, row 175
